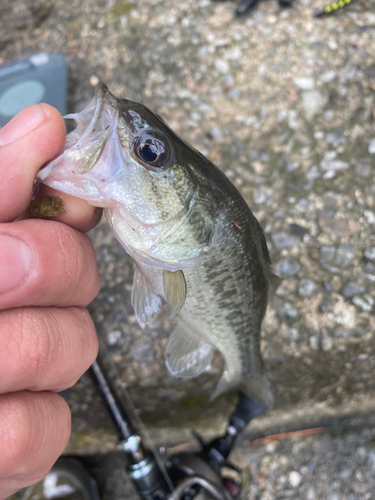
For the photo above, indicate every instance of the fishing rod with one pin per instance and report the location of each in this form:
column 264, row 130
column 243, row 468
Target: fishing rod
column 198, row 475
column 245, row 7
column 331, row 8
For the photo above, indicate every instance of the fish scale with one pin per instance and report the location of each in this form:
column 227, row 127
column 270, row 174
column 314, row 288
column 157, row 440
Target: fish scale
column 233, row 309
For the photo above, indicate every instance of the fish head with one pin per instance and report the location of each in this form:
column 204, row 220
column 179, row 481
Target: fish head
column 123, row 157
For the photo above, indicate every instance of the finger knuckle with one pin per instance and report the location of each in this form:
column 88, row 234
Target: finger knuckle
column 86, row 337
column 63, row 346
column 78, row 346
column 16, row 435
column 72, row 253
column 35, row 429
column 78, row 262
column 49, row 348
column 58, row 418
column 34, row 341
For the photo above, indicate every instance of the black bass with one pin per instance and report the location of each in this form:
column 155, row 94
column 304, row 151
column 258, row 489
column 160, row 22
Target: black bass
column 195, row 242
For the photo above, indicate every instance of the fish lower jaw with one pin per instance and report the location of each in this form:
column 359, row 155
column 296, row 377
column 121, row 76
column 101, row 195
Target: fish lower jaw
column 85, row 192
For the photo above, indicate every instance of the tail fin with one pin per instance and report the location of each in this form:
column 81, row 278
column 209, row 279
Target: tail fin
column 256, row 386
column 259, row 388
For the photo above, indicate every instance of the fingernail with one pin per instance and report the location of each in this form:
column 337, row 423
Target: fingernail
column 23, row 123
column 16, row 260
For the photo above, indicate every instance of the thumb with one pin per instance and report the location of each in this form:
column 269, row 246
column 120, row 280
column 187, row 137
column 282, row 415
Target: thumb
column 34, row 136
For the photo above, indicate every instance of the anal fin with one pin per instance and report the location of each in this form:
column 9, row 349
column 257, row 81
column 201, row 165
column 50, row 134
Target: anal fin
column 186, row 355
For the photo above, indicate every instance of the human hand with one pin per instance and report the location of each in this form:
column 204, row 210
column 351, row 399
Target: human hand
column 48, row 274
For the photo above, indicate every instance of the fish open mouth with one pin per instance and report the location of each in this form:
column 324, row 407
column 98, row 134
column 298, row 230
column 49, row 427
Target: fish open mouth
column 100, row 92
column 93, row 143
column 100, row 127
column 98, row 122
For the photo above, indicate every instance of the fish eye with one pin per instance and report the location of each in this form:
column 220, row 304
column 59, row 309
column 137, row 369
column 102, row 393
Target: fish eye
column 153, row 151
column 148, row 152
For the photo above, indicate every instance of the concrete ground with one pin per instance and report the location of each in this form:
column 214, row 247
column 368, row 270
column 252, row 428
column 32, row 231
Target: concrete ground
column 284, row 105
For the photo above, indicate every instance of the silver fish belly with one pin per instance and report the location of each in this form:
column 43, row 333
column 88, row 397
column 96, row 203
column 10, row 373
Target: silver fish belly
column 195, row 242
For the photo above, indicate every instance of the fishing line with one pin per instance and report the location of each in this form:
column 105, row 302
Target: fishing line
column 135, row 415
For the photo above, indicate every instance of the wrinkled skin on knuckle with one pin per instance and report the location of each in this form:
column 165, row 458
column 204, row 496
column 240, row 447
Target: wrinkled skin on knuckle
column 15, row 436
column 77, row 256
column 83, row 345
column 63, row 341
column 56, row 441
column 47, row 348
column 90, row 338
column 34, row 342
column 34, row 432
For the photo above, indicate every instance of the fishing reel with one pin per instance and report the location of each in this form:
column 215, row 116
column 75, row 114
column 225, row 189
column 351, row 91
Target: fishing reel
column 190, row 476
column 195, row 476
column 209, row 474
column 206, row 474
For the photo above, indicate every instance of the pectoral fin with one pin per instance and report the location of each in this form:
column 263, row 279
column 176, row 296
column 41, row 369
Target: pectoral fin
column 186, row 355
column 175, row 290
column 145, row 301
